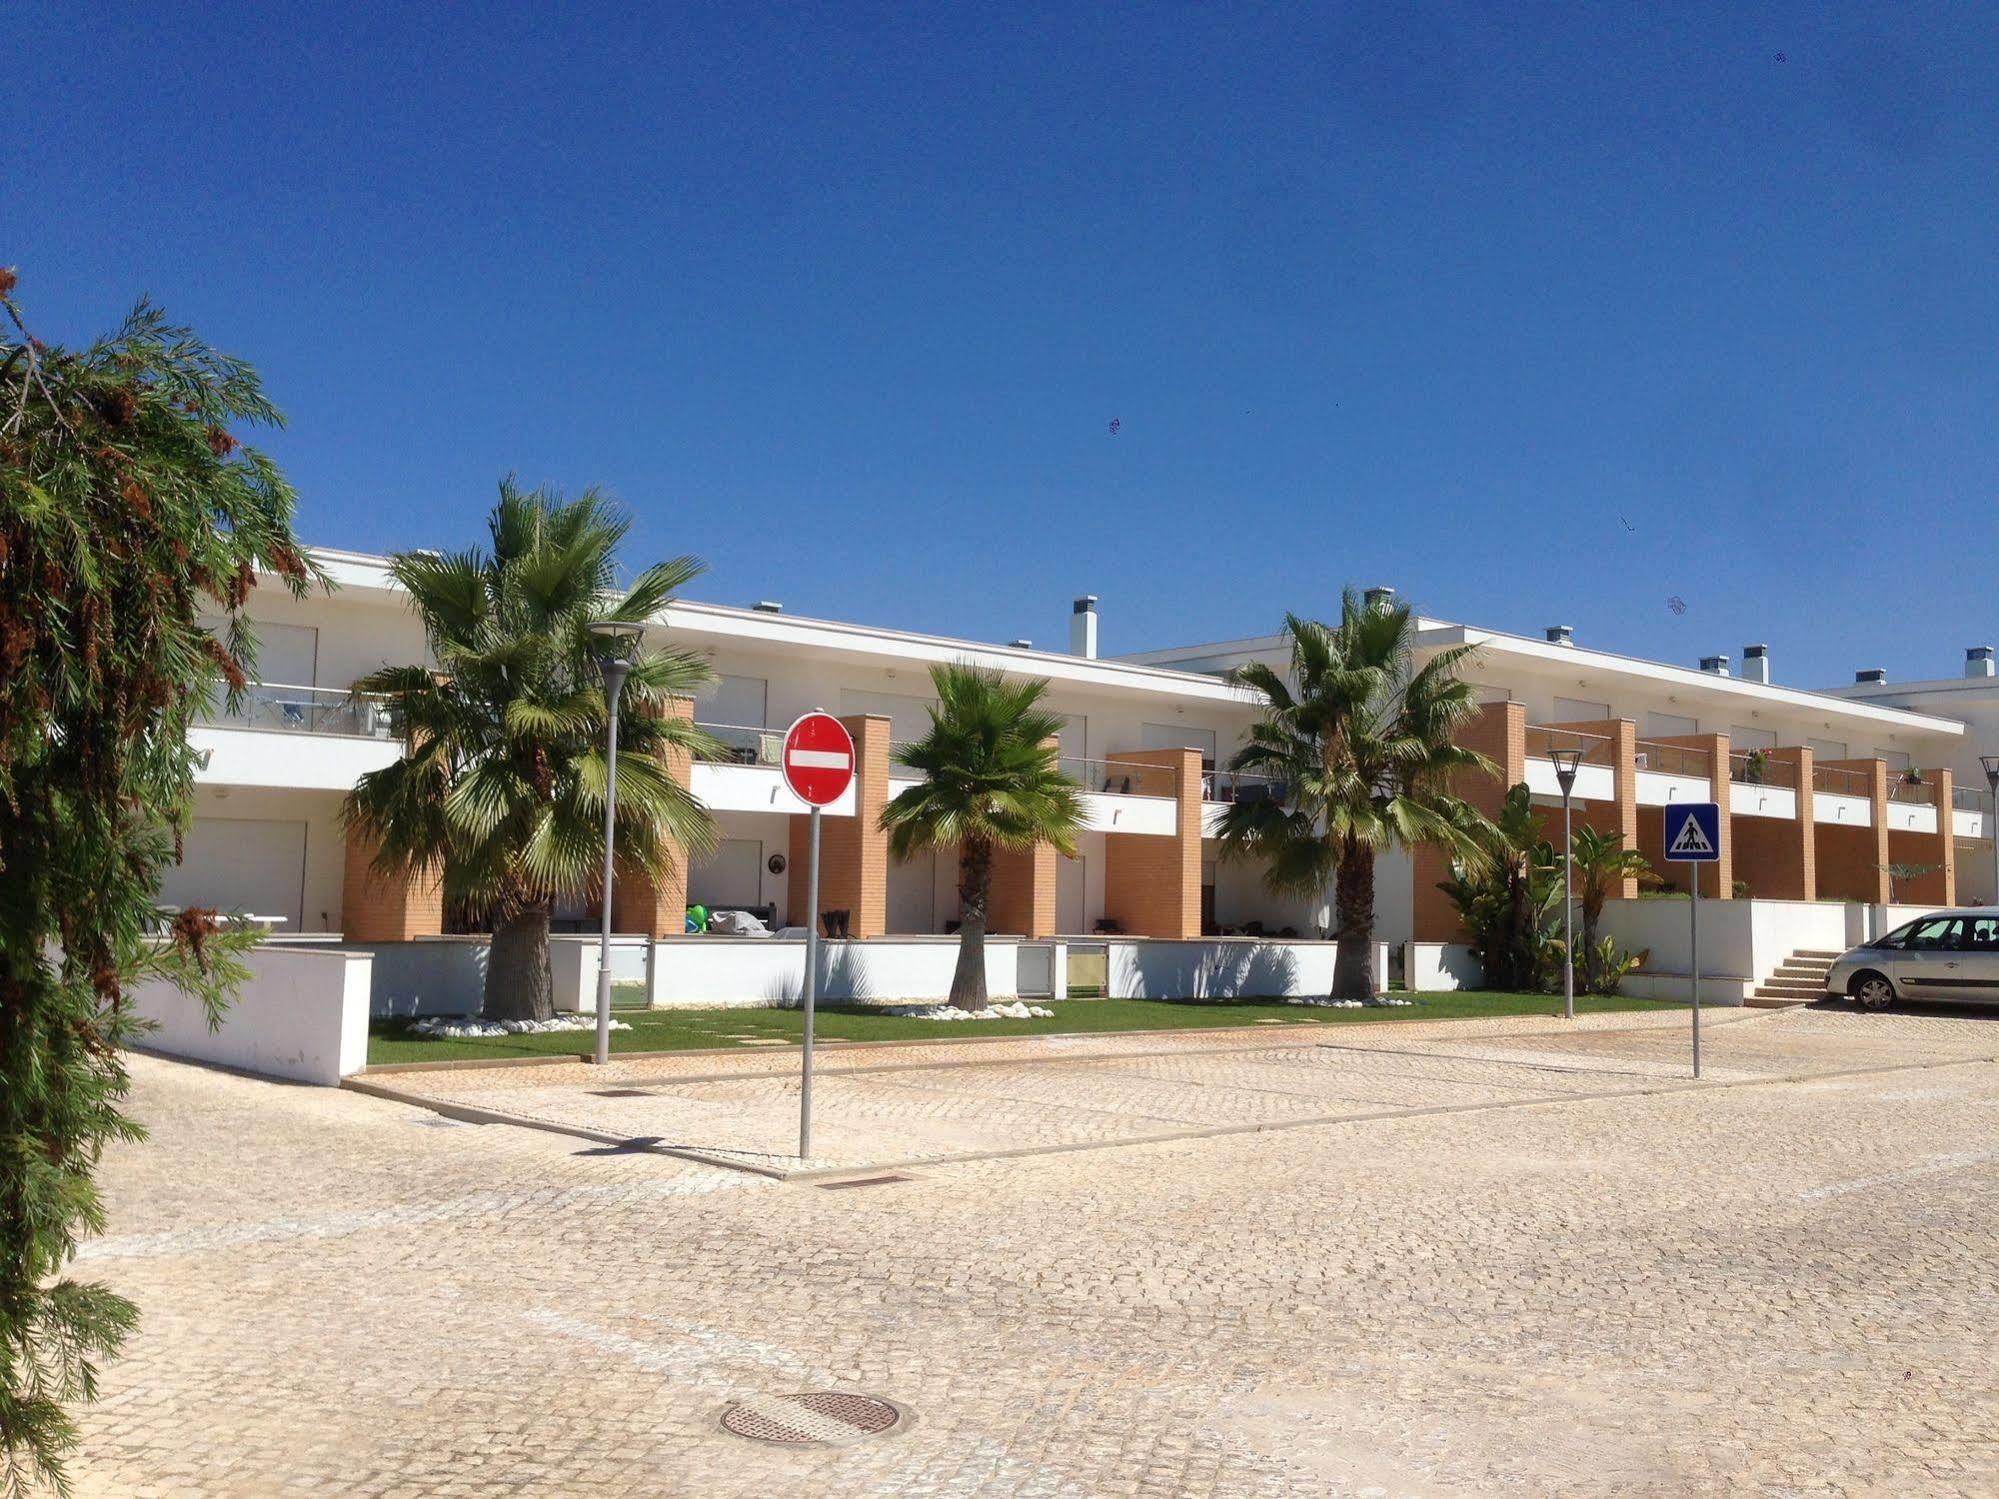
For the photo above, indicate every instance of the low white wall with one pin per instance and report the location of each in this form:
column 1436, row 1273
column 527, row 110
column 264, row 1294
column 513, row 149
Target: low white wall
column 1439, row 967
column 696, row 971
column 430, row 976
column 302, row 1015
column 1226, row 968
column 1742, row 941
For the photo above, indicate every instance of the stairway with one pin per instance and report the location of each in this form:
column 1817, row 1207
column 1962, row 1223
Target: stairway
column 1799, row 980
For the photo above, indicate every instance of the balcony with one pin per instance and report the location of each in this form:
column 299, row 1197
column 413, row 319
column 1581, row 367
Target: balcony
column 1759, row 786
column 1971, row 812
column 1596, row 774
column 1912, row 805
column 1843, row 796
column 750, row 776
column 302, row 738
column 1126, row 796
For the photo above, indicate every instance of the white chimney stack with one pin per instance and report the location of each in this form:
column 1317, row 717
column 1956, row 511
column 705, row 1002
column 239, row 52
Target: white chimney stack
column 1978, row 661
column 1715, row 665
column 1379, row 598
column 1083, row 628
column 1561, row 635
column 1756, row 663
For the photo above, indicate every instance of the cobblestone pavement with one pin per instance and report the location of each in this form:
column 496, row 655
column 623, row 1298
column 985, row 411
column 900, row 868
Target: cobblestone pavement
column 1787, row 1287
column 891, row 1106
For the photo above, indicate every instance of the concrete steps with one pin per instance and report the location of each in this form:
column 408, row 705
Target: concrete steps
column 1799, row 980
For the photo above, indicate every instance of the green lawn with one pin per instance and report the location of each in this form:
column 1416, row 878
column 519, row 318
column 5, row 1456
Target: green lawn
column 689, row 1030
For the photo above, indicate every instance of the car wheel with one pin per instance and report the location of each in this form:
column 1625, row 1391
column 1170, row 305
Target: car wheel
column 1872, row 991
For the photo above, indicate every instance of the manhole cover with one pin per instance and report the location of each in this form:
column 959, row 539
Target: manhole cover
column 817, row 1416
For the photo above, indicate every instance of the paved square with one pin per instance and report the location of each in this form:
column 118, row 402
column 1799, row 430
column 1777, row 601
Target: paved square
column 1785, row 1286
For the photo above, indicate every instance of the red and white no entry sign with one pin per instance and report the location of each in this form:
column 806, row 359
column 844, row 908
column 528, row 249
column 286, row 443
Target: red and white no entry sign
column 818, row 759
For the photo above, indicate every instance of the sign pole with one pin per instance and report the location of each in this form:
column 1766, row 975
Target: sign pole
column 812, row 989
column 1695, row 870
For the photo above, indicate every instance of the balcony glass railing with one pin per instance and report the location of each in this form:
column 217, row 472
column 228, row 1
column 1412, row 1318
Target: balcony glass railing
column 1746, row 770
column 1240, row 786
column 1912, row 793
column 1840, row 780
column 303, row 710
column 745, row 744
column 1673, row 759
column 1597, row 749
column 1970, row 799
column 1121, row 777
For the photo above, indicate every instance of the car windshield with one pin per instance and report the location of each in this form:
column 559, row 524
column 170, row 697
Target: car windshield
column 1923, row 932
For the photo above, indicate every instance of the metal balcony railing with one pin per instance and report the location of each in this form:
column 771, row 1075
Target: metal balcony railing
column 1970, row 799
column 1745, row 770
column 1597, row 749
column 1673, row 759
column 303, row 710
column 1912, row 793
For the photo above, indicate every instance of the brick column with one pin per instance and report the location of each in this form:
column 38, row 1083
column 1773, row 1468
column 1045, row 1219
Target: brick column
column 375, row 907
column 1719, row 884
column 853, row 851
column 1499, row 732
column 657, row 907
column 1852, row 862
column 1778, row 860
column 1938, row 848
column 1022, row 903
column 1152, row 885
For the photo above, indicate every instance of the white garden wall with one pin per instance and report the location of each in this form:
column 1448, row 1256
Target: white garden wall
column 1742, row 941
column 302, row 1015
column 1226, row 968
column 696, row 971
column 1440, row 967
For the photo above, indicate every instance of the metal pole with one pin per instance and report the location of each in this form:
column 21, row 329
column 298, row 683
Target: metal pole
column 811, row 989
column 612, row 686
column 1568, row 912
column 1696, row 869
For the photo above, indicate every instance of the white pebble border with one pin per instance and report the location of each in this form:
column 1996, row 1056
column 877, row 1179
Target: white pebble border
column 1001, row 1011
column 457, row 1027
column 1384, row 1001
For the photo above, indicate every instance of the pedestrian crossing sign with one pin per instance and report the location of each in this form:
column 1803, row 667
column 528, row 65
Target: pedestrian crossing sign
column 1693, row 833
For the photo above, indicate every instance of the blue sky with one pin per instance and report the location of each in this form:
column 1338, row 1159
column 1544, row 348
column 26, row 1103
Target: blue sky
column 1536, row 315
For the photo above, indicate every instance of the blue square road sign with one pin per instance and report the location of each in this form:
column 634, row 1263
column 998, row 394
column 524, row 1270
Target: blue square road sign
column 1693, row 833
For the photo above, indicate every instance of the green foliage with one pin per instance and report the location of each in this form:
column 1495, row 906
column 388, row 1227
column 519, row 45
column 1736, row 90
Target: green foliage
column 1361, row 741
column 1508, row 894
column 1602, row 966
column 127, row 509
column 992, row 779
column 502, row 788
column 1601, row 861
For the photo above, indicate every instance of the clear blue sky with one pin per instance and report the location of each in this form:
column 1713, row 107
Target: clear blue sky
column 1537, row 317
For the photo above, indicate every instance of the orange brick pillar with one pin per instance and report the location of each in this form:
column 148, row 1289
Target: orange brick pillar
column 1152, row 884
column 1022, row 903
column 853, row 851
column 375, row 907
column 1499, row 732
column 1853, row 861
column 1939, row 887
column 1776, row 859
column 657, row 907
column 1717, row 879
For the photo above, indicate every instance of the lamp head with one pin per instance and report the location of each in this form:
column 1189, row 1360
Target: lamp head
column 1566, row 762
column 1991, row 764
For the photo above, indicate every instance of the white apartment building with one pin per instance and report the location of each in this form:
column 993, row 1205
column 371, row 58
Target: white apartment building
column 1822, row 802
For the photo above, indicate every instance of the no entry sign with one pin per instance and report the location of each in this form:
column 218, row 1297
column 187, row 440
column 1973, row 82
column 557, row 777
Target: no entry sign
column 818, row 759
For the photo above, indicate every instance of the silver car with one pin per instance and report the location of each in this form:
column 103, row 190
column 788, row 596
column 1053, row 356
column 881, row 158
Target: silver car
column 1946, row 955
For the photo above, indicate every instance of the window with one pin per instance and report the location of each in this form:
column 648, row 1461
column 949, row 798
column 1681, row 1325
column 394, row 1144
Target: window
column 1579, row 710
column 1178, row 736
column 738, row 701
column 1827, row 749
column 1669, row 725
column 1932, row 934
column 1983, row 935
column 1896, row 759
column 1740, row 738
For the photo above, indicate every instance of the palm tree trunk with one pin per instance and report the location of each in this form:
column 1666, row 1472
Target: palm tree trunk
column 518, row 984
column 975, row 883
column 1353, row 923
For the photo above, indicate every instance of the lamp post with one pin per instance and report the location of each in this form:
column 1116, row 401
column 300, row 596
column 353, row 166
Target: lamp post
column 1991, row 764
column 615, row 640
column 1566, row 762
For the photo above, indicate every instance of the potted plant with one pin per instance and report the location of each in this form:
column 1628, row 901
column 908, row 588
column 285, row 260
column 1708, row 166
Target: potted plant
column 1755, row 767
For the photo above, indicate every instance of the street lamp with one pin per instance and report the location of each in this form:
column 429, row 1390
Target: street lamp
column 1566, row 762
column 615, row 640
column 1991, row 764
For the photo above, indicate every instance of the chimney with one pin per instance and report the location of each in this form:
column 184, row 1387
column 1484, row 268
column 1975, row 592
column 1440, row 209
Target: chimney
column 1561, row 634
column 1083, row 628
column 1379, row 598
column 1715, row 665
column 768, row 606
column 1873, row 674
column 1020, row 645
column 1978, row 661
column 1756, row 663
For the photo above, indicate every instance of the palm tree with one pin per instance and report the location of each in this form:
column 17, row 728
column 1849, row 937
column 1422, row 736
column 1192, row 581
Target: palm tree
column 992, row 780
column 502, row 784
column 1507, row 889
column 1359, row 739
column 1601, row 860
